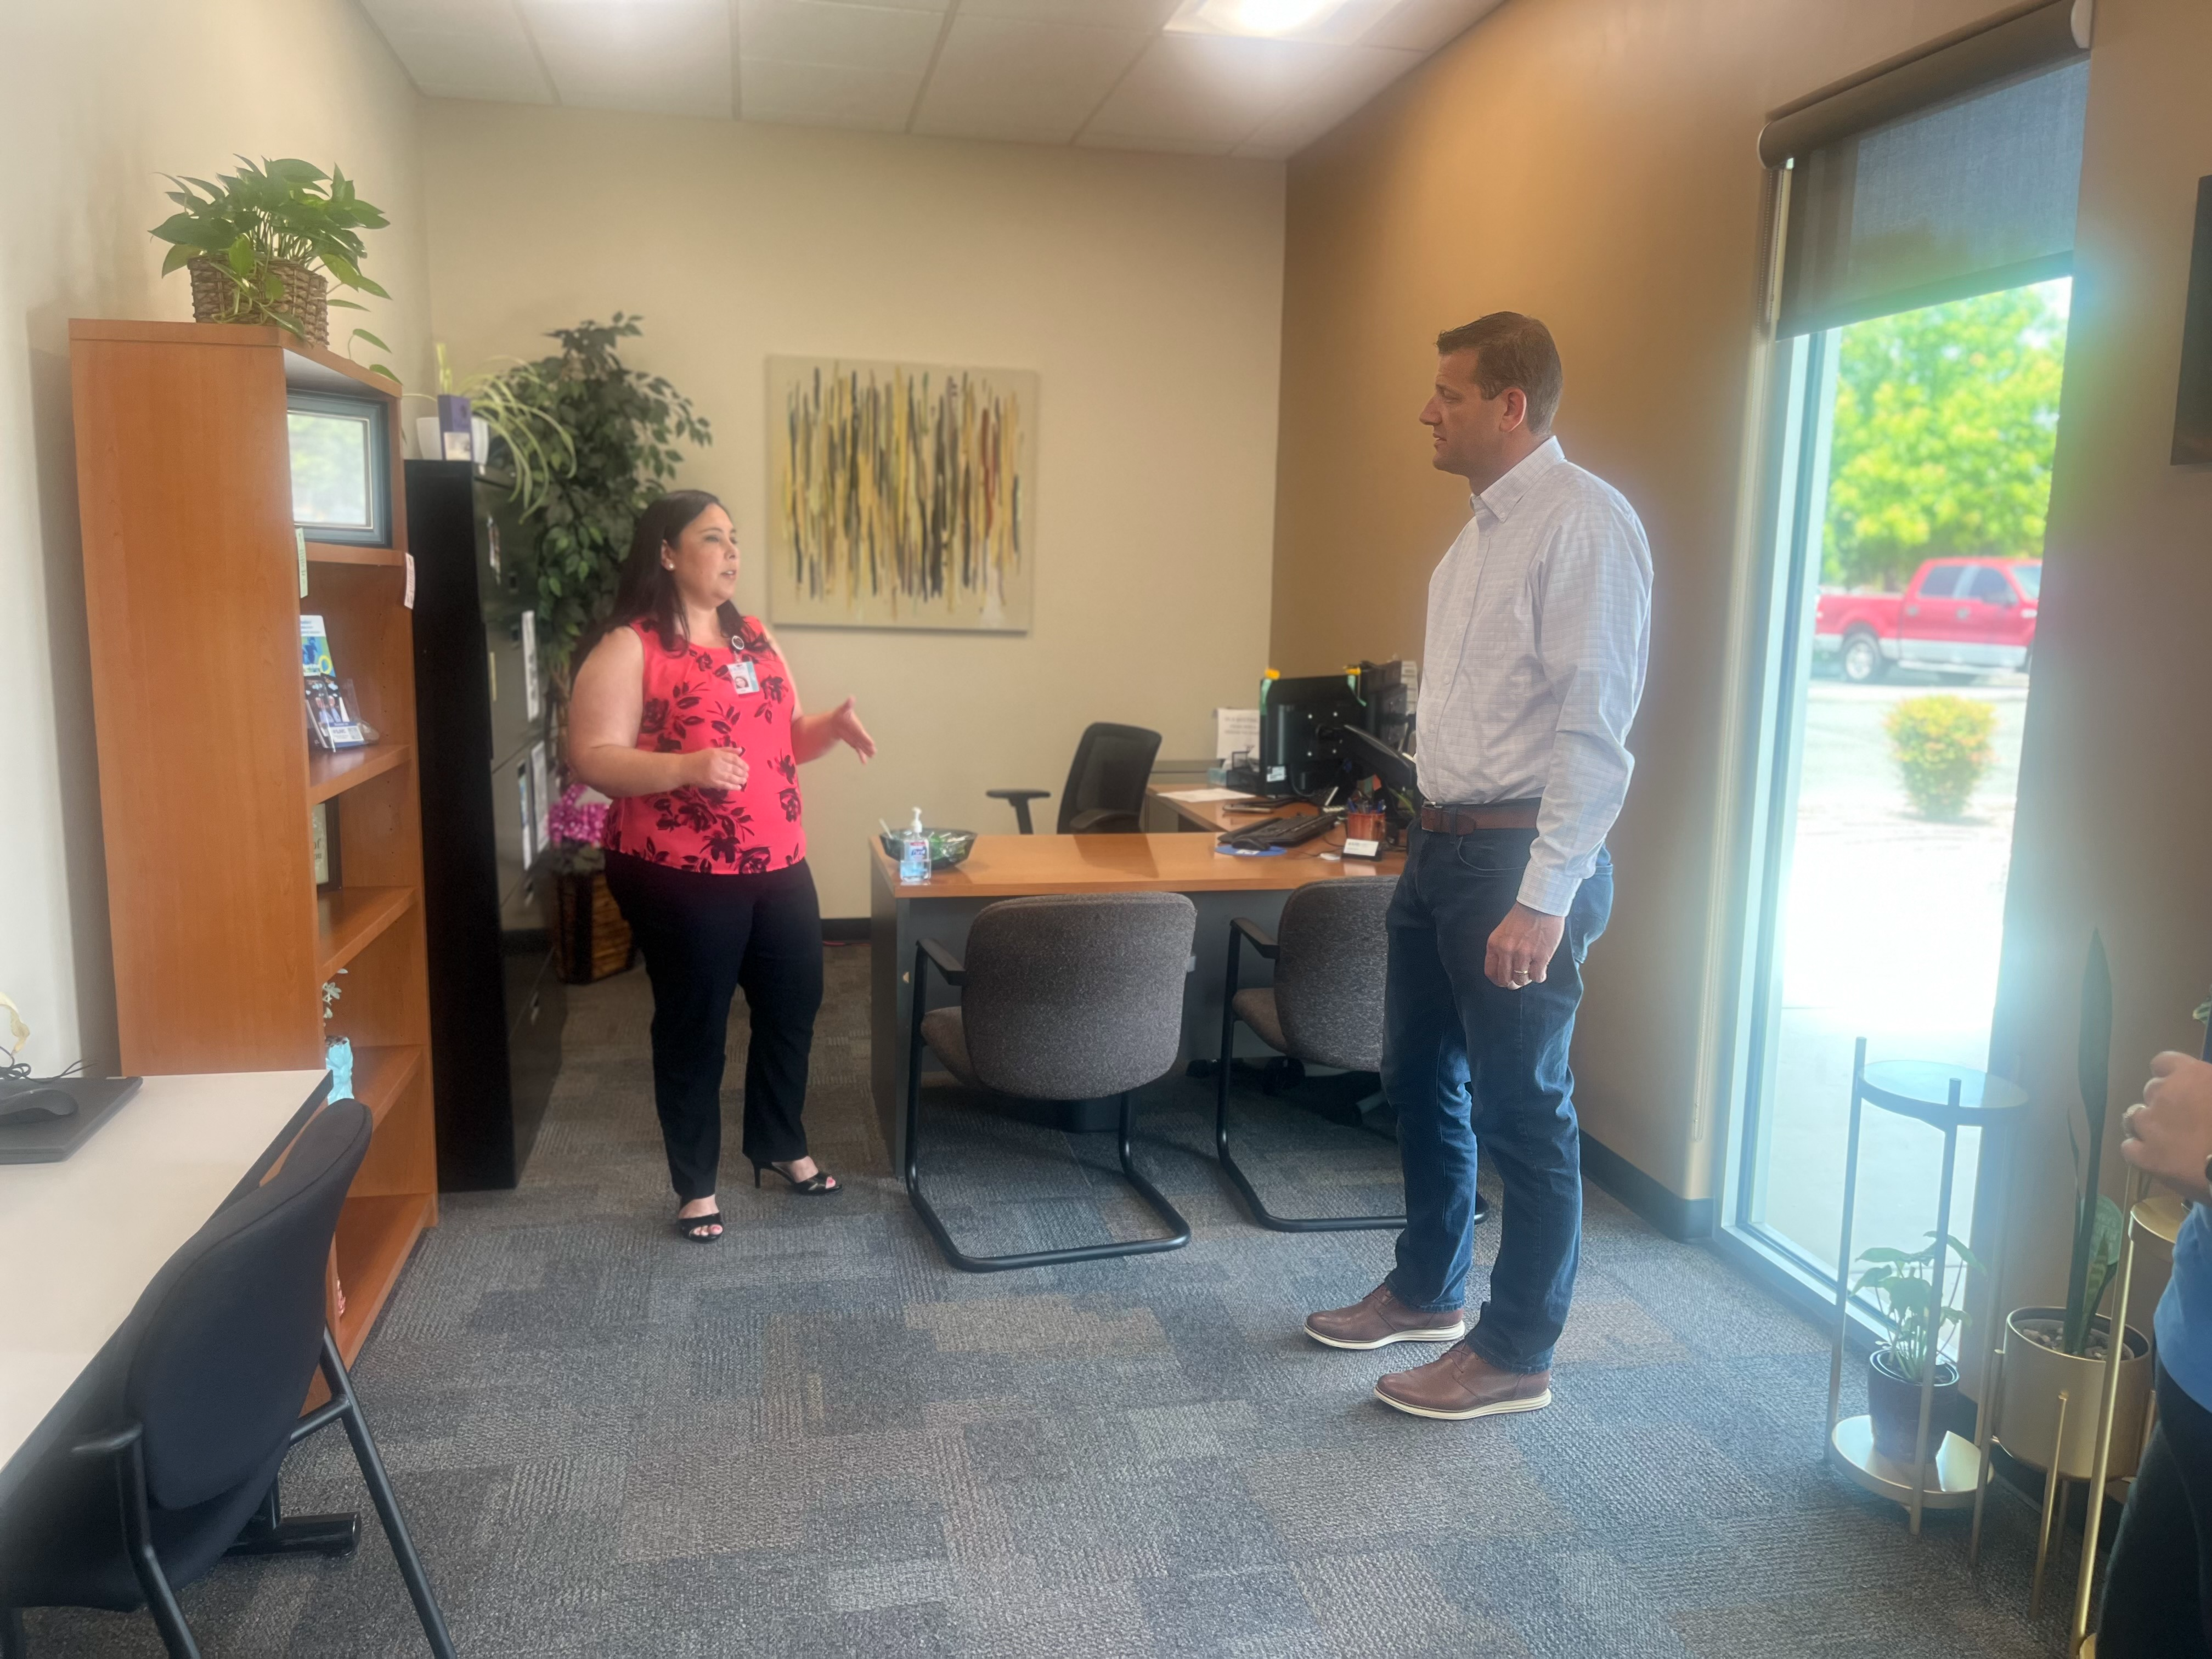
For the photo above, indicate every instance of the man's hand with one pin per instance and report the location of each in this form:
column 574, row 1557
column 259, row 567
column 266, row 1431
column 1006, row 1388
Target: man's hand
column 845, row 725
column 2170, row 1134
column 716, row 769
column 1522, row 947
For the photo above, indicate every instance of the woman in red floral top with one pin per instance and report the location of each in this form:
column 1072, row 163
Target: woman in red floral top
column 684, row 713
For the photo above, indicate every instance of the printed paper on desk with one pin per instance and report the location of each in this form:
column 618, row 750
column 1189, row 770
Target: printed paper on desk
column 1235, row 731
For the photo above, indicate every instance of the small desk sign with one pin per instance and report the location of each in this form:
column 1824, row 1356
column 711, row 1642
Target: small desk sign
column 1363, row 849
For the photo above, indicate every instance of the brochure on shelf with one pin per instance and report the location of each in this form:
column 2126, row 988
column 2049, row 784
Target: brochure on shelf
column 331, row 721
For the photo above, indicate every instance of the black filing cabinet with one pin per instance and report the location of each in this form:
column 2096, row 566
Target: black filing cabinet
column 487, row 766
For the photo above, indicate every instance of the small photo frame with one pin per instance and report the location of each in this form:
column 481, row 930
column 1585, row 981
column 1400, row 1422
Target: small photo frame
column 323, row 839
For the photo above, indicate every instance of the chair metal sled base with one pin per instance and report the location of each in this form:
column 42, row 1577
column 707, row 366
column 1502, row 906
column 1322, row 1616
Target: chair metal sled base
column 992, row 1264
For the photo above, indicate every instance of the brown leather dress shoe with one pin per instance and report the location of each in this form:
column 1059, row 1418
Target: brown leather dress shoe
column 1378, row 1319
column 1463, row 1384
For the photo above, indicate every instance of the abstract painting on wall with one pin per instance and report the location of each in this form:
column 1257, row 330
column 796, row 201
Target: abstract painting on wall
column 902, row 494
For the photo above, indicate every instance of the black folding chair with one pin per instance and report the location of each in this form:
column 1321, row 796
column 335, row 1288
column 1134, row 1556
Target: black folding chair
column 179, row 1466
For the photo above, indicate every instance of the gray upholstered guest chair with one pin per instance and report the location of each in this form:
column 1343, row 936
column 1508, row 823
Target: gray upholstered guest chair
column 1325, row 1008
column 1062, row 999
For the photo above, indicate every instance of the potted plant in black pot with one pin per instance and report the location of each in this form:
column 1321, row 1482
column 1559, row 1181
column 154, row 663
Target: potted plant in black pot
column 1920, row 1317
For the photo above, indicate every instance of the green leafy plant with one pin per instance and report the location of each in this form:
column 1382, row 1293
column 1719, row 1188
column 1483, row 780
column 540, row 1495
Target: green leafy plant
column 286, row 212
column 618, row 431
column 1946, row 421
column 1919, row 1311
column 1942, row 744
column 516, row 402
column 2098, row 1225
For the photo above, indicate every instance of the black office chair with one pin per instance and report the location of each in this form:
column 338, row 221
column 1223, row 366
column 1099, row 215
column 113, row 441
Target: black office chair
column 1062, row 999
column 1105, row 792
column 163, row 1476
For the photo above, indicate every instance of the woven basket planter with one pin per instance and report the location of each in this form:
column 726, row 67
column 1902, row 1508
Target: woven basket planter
column 307, row 298
column 590, row 941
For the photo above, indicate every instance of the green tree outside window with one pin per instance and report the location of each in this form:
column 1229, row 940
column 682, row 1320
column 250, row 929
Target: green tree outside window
column 1945, row 419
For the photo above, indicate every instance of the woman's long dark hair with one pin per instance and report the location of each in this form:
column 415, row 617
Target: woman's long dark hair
column 648, row 587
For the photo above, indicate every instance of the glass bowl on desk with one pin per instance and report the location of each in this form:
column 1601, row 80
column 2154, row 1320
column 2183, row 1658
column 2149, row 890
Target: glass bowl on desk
column 947, row 847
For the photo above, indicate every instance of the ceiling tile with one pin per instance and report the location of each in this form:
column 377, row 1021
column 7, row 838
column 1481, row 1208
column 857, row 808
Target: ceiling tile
column 467, row 66
column 669, row 57
column 463, row 48
column 824, row 96
column 1208, row 89
column 1424, row 25
column 938, row 6
column 1001, row 78
column 841, row 36
column 1357, row 73
column 1146, row 15
column 1154, row 146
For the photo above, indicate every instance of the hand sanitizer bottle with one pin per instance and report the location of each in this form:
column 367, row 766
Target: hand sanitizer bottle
column 914, row 853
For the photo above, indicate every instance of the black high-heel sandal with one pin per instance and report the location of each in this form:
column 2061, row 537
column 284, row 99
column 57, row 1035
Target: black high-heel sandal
column 820, row 1184
column 687, row 1227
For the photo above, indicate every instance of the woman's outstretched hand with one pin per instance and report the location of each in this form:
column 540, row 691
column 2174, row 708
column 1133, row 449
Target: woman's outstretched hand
column 845, row 726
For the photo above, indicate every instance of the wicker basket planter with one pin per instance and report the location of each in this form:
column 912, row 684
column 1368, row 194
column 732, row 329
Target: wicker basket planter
column 306, row 298
column 590, row 941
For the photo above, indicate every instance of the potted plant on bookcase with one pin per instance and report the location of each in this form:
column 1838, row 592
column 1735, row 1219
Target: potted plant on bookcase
column 265, row 244
column 2051, row 1391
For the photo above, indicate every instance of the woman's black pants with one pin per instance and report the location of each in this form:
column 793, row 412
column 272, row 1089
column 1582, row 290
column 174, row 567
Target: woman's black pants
column 704, row 937
column 2158, row 1591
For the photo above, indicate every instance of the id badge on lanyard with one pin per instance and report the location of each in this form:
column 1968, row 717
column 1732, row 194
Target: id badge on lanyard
column 743, row 676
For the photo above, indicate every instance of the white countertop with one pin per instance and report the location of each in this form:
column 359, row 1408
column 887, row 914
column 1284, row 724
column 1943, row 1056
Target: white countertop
column 80, row 1240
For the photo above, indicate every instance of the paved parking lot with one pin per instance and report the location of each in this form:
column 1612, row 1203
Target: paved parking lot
column 1892, row 930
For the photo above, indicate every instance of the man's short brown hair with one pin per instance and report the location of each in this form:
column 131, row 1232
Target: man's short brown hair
column 1512, row 351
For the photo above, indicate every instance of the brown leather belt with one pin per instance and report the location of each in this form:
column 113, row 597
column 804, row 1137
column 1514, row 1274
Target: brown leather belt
column 1466, row 820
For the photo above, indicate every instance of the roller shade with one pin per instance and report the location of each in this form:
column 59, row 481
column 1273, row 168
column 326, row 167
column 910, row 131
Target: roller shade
column 1974, row 196
column 2027, row 37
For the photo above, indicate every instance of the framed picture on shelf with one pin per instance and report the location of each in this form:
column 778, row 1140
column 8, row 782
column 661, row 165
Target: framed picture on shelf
column 323, row 836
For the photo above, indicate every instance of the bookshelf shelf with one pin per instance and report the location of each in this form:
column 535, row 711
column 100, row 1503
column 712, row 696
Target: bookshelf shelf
column 391, row 558
column 347, row 922
column 381, row 1074
column 332, row 775
column 375, row 1237
column 221, row 943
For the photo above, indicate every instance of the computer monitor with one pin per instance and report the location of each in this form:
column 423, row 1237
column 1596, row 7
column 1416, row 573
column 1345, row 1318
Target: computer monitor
column 1302, row 749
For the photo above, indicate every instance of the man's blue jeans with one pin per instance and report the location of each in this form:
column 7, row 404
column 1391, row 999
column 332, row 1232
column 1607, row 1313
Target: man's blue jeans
column 1465, row 1061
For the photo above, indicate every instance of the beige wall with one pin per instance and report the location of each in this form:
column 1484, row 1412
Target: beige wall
column 97, row 99
column 2116, row 791
column 1591, row 161
column 1144, row 289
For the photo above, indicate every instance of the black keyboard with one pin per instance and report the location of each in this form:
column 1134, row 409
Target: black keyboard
column 1287, row 831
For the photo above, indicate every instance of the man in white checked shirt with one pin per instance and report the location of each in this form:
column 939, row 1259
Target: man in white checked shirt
column 1539, row 618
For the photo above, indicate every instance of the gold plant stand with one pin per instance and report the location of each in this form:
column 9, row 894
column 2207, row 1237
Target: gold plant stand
column 1949, row 1473
column 2159, row 1216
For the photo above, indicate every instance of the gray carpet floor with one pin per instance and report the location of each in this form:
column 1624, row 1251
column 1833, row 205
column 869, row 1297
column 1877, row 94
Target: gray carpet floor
column 815, row 1438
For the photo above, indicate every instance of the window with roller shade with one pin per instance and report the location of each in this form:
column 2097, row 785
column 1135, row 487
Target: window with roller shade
column 1972, row 197
column 1921, row 291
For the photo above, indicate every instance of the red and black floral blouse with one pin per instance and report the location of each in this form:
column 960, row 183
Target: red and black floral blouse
column 719, row 697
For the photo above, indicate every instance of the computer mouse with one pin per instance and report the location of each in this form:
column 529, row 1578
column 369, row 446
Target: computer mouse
column 35, row 1106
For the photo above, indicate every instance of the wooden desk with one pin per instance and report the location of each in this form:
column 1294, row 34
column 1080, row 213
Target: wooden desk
column 82, row 1239
column 1221, row 884
column 1164, row 815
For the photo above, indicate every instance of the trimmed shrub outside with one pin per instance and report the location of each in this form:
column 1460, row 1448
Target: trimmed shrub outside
column 1942, row 744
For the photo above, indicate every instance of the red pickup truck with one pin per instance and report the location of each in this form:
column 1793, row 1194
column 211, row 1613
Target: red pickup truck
column 1958, row 617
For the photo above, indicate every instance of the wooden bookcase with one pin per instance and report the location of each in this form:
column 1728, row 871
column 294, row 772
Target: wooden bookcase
column 221, row 943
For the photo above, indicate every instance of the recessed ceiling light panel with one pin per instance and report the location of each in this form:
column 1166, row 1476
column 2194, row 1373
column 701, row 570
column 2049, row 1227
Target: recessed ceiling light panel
column 1339, row 22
